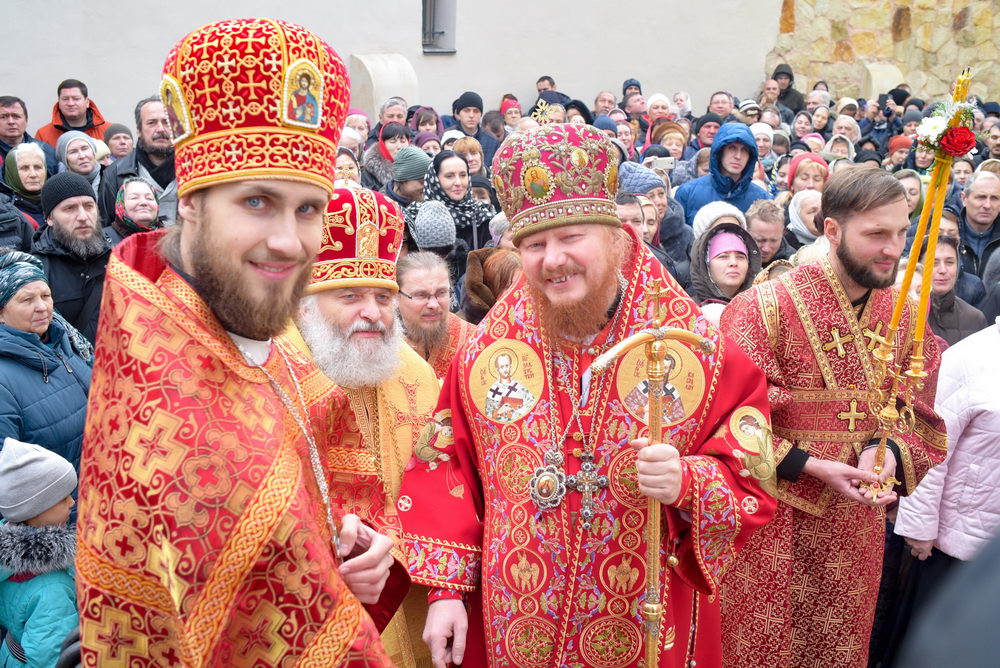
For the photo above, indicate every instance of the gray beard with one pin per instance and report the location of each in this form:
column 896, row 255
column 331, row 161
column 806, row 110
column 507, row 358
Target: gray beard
column 84, row 249
column 354, row 364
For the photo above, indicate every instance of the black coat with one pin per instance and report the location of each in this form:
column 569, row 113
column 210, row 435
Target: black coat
column 953, row 319
column 76, row 284
column 15, row 230
column 676, row 237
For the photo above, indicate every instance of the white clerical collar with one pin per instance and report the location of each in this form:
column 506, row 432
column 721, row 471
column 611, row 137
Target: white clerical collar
column 254, row 352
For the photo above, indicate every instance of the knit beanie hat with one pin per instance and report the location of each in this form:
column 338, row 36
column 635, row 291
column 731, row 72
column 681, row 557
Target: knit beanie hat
column 912, row 116
column 62, row 186
column 467, row 99
column 631, row 82
column 896, row 143
column 723, row 242
column 451, row 135
column 707, row 118
column 636, row 179
column 762, row 129
column 32, row 480
column 116, row 129
column 433, row 227
column 706, row 216
column 865, row 155
column 748, row 104
column 410, row 164
column 424, row 137
column 604, row 122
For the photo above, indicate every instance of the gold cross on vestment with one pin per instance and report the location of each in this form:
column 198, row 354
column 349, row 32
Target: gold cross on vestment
column 838, row 342
column 874, row 336
column 655, row 294
column 852, row 416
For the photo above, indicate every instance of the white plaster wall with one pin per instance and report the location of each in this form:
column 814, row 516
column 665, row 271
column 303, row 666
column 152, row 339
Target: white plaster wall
column 117, row 46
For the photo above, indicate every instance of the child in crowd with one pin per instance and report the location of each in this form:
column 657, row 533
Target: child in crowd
column 37, row 548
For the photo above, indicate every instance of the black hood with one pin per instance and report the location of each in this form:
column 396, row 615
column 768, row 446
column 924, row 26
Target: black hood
column 702, row 285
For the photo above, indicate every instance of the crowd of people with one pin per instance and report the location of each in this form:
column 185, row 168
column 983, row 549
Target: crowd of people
column 753, row 213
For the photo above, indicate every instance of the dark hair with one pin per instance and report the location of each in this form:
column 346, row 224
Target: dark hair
column 853, row 191
column 444, row 155
column 656, row 151
column 424, row 115
column 624, row 199
column 628, row 97
column 493, row 121
column 546, row 77
column 10, row 101
column 72, row 83
column 140, row 104
column 945, row 239
column 392, row 131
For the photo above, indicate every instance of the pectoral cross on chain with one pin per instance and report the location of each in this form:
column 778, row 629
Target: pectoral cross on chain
column 587, row 482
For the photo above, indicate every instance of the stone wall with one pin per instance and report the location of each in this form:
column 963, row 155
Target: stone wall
column 930, row 41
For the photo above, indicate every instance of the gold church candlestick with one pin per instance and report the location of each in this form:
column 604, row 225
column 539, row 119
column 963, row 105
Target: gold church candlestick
column 654, row 339
column 948, row 133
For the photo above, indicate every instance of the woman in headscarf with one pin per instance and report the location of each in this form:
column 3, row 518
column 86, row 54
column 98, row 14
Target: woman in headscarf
column 802, row 125
column 821, row 121
column 802, row 227
column 137, row 209
column 79, row 153
column 44, row 362
column 24, row 173
column 447, row 181
column 426, row 119
column 376, row 163
column 724, row 262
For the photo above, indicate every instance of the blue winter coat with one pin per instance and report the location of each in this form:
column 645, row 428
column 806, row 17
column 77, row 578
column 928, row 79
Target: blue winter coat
column 717, row 186
column 43, row 391
column 38, row 608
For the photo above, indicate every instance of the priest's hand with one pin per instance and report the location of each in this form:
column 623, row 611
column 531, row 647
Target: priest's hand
column 866, row 462
column 844, row 479
column 659, row 470
column 366, row 559
column 921, row 549
column 444, row 632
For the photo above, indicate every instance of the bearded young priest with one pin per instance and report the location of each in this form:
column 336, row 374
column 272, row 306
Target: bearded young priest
column 525, row 515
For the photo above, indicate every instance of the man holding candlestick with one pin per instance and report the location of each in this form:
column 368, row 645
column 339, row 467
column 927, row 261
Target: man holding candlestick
column 808, row 581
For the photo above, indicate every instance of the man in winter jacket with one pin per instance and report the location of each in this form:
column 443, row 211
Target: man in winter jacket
column 152, row 160
column 468, row 111
column 73, row 249
column 789, row 97
column 731, row 167
column 73, row 110
column 14, row 131
column 979, row 222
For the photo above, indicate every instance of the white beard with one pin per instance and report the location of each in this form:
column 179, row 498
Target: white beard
column 348, row 363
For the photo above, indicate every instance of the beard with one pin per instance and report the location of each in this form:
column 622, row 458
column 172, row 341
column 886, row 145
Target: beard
column 586, row 316
column 160, row 152
column 863, row 274
column 350, row 363
column 86, row 248
column 427, row 337
column 222, row 285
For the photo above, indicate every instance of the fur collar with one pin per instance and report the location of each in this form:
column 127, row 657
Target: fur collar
column 26, row 549
column 375, row 164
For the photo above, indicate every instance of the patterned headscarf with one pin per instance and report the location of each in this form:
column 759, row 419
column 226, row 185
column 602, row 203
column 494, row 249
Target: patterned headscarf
column 466, row 211
column 122, row 218
column 17, row 269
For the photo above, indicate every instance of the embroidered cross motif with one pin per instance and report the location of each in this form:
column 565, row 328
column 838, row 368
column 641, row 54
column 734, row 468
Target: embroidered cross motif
column 838, row 343
column 587, row 482
column 874, row 336
column 852, row 416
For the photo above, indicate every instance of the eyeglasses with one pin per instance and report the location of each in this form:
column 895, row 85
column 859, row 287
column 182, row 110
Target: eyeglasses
column 444, row 294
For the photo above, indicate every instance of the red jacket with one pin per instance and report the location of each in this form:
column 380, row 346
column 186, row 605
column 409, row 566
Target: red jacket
column 50, row 133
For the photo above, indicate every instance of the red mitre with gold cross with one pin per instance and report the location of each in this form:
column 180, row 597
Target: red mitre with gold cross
column 555, row 175
column 362, row 236
column 254, row 98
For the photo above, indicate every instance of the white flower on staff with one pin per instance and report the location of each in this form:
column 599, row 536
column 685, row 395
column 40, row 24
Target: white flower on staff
column 930, row 130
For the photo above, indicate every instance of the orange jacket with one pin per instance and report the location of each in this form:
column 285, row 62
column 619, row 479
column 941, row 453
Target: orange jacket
column 50, row 133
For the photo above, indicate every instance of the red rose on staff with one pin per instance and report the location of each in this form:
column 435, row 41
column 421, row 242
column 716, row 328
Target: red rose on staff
column 958, row 141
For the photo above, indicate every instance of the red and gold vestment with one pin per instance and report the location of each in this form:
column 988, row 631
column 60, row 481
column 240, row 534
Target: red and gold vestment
column 202, row 539
column 803, row 592
column 545, row 590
